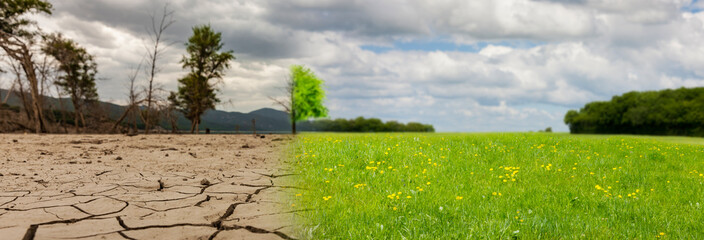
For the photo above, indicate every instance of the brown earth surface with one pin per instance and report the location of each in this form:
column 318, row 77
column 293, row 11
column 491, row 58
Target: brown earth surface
column 144, row 187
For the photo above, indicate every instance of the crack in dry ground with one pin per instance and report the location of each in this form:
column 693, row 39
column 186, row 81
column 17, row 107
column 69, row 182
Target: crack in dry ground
column 226, row 192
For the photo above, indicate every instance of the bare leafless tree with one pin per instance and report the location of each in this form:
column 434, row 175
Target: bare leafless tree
column 3, row 99
column 46, row 75
column 20, row 92
column 7, row 79
column 20, row 50
column 287, row 102
column 155, row 50
column 2, row 82
column 134, row 100
column 134, row 97
column 62, row 108
column 9, row 92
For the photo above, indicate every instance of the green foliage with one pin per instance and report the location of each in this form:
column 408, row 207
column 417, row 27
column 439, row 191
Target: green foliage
column 205, row 58
column 194, row 97
column 77, row 65
column 308, row 94
column 12, row 12
column 361, row 124
column 666, row 112
column 206, row 62
column 494, row 186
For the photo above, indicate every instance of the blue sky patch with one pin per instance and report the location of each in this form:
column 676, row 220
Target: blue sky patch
column 692, row 8
column 447, row 46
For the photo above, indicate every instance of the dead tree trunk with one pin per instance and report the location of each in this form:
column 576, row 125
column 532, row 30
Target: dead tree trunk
column 194, row 125
column 154, row 52
column 28, row 66
column 198, row 126
column 172, row 118
column 7, row 96
column 76, row 112
column 254, row 126
column 130, row 110
column 134, row 120
column 174, row 127
column 293, row 122
column 83, row 120
column 20, row 52
column 62, row 122
column 20, row 93
column 23, row 98
column 122, row 117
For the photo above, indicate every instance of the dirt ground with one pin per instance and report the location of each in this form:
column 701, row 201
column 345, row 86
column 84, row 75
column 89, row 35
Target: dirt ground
column 143, row 187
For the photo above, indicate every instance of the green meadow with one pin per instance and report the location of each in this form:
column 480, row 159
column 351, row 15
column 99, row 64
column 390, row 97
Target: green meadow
column 497, row 186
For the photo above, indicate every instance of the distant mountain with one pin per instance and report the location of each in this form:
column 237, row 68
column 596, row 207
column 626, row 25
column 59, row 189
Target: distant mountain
column 267, row 119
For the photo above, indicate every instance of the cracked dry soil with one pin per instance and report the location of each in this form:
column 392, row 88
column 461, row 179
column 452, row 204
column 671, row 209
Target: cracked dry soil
column 144, row 187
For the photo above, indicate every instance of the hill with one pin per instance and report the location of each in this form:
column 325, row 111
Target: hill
column 267, row 119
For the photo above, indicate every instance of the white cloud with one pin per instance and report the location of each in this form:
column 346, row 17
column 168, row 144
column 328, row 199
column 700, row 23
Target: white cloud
column 587, row 50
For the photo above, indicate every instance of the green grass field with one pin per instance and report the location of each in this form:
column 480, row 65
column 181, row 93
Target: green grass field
column 498, row 186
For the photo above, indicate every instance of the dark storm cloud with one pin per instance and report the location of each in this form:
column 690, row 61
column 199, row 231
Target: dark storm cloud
column 118, row 14
column 255, row 39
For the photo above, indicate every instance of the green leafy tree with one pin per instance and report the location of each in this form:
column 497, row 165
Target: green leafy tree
column 665, row 112
column 206, row 62
column 78, row 70
column 17, row 36
column 305, row 96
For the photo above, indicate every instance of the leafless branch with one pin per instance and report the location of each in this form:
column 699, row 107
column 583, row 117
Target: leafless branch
column 155, row 49
column 286, row 103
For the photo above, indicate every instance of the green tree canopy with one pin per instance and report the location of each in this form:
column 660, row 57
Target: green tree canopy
column 307, row 95
column 666, row 112
column 12, row 15
column 206, row 62
column 78, row 70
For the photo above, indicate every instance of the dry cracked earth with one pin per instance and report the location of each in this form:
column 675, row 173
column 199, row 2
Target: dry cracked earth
column 144, row 187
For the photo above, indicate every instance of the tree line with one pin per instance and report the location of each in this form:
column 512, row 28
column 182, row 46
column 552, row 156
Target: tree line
column 666, row 112
column 361, row 124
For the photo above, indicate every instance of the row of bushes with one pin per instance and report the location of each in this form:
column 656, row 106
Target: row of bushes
column 361, row 124
column 665, row 112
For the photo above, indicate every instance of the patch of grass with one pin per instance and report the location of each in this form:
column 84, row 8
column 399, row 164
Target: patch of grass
column 497, row 186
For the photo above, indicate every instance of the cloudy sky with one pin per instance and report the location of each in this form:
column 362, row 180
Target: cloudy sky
column 481, row 65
